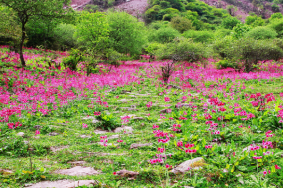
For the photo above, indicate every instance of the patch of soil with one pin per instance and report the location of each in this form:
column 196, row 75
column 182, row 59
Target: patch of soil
column 134, row 7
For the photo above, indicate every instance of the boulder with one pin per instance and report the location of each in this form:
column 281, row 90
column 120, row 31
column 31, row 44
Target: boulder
column 195, row 163
column 62, row 184
column 129, row 130
column 78, row 171
column 134, row 146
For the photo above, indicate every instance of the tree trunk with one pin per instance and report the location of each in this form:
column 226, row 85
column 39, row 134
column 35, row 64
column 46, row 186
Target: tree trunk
column 22, row 44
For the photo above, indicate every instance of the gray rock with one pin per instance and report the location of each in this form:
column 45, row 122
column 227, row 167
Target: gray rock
column 95, row 121
column 183, row 167
column 173, row 86
column 182, row 105
column 129, row 130
column 163, row 111
column 126, row 173
column 78, row 171
column 58, row 148
column 22, row 134
column 53, row 134
column 107, row 144
column 88, row 117
column 138, row 118
column 62, row 184
column 125, row 100
column 116, row 136
column 134, row 146
column 77, row 163
column 85, row 136
column 37, row 127
column 5, row 171
column 100, row 132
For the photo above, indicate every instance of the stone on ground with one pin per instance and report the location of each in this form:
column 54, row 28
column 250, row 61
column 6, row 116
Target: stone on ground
column 129, row 130
column 78, row 171
column 62, row 184
column 195, row 163
column 134, row 146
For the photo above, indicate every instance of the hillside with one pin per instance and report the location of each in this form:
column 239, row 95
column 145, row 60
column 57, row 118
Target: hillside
column 243, row 7
column 133, row 7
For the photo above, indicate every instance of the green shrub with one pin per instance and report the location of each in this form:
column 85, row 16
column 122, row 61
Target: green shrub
column 240, row 30
column 126, row 33
column 64, row 36
column 230, row 22
column 223, row 64
column 262, row 32
column 222, row 46
column 158, row 24
column 275, row 8
column 199, row 36
column 248, row 50
column 221, row 33
column 251, row 51
column 108, row 121
column 181, row 24
column 163, row 35
column 254, row 21
column 73, row 59
column 277, row 25
column 152, row 48
column 183, row 50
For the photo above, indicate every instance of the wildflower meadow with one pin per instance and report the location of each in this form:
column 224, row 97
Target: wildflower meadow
column 123, row 126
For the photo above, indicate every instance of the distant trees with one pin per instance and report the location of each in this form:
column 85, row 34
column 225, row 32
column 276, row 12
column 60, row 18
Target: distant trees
column 25, row 10
column 126, row 33
column 9, row 27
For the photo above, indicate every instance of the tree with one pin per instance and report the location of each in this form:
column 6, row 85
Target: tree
column 93, row 32
column 180, row 50
column 126, row 33
column 262, row 32
column 230, row 22
column 28, row 9
column 254, row 21
column 181, row 24
column 9, row 29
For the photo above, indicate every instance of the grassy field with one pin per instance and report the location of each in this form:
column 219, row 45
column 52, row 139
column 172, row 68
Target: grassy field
column 233, row 121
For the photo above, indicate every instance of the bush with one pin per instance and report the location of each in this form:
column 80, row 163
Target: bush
column 248, row 50
column 127, row 34
column 108, row 121
column 181, row 24
column 254, row 21
column 223, row 64
column 64, row 36
column 183, row 50
column 240, row 30
column 275, row 8
column 251, row 51
column 230, row 22
column 222, row 46
column 262, row 33
column 152, row 48
column 158, row 24
column 277, row 25
column 163, row 35
column 73, row 59
column 199, row 36
column 221, row 33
